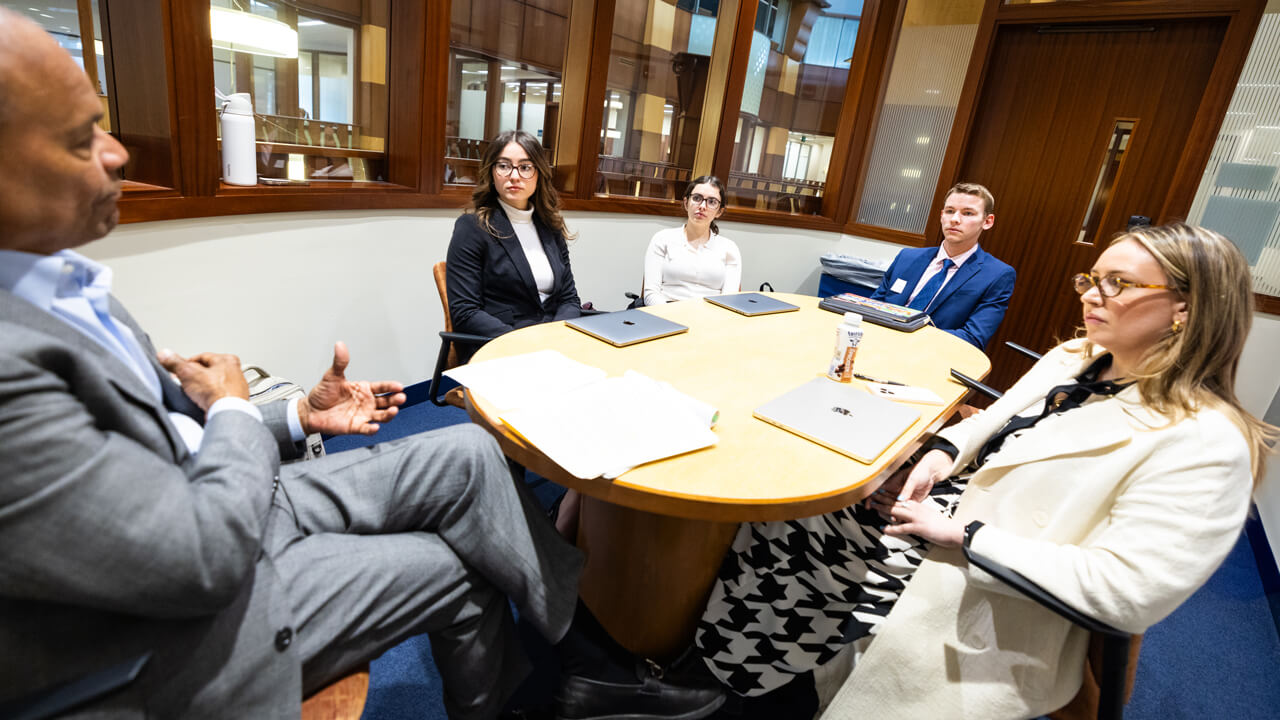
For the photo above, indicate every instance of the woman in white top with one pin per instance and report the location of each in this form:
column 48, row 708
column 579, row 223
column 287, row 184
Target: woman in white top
column 693, row 260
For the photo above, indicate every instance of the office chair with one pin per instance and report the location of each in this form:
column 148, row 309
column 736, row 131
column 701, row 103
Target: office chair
column 1112, row 658
column 62, row 698
column 343, row 699
column 448, row 355
column 637, row 301
column 449, row 340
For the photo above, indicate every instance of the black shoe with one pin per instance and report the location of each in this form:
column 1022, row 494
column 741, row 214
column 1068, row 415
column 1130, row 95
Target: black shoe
column 526, row 714
column 648, row 698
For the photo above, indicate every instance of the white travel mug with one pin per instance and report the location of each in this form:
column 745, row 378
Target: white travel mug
column 239, row 163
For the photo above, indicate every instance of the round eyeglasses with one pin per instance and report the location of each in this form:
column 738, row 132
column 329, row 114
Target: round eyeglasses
column 1108, row 286
column 696, row 200
column 526, row 169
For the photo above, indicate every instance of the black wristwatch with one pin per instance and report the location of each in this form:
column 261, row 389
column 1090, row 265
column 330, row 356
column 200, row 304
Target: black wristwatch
column 970, row 530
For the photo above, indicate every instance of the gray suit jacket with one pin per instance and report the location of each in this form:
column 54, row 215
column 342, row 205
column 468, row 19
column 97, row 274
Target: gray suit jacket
column 115, row 540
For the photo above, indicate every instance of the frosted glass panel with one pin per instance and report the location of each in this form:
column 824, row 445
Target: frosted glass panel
column 702, row 34
column 756, row 67
column 1238, row 194
column 919, row 106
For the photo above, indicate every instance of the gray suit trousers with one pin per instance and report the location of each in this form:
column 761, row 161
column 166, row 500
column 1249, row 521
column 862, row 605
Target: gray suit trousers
column 423, row 534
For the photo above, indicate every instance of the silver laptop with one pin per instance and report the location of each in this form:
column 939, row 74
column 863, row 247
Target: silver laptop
column 839, row 416
column 626, row 327
column 751, row 304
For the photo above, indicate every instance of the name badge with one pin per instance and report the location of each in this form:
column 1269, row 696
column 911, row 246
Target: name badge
column 898, row 285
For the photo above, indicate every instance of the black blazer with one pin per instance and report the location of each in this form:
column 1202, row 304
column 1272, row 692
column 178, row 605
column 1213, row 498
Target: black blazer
column 490, row 285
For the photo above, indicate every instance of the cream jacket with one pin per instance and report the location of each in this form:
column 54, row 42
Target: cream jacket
column 1108, row 506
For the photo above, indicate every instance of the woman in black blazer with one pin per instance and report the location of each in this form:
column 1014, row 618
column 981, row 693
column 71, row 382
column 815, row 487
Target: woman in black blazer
column 508, row 264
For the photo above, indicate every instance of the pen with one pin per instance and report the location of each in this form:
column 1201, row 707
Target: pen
column 868, row 378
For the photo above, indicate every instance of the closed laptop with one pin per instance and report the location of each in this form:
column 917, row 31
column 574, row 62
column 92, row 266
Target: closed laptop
column 751, row 304
column 626, row 327
column 840, row 416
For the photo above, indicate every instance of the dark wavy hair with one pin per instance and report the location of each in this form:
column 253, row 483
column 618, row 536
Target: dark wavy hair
column 545, row 199
column 713, row 181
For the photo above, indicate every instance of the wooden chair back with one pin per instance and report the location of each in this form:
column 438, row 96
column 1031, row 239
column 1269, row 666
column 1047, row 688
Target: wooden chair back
column 1088, row 704
column 438, row 271
column 343, row 700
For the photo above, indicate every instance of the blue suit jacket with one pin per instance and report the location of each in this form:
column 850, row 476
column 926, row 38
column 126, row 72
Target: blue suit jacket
column 971, row 304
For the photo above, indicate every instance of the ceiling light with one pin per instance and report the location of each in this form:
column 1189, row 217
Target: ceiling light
column 247, row 33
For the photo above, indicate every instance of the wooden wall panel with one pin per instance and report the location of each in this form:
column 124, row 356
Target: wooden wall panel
column 543, row 41
column 140, row 87
column 1047, row 109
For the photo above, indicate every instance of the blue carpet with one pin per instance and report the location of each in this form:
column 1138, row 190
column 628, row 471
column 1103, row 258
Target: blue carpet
column 1216, row 656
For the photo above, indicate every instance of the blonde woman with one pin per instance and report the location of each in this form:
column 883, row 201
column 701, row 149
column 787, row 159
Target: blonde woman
column 1116, row 474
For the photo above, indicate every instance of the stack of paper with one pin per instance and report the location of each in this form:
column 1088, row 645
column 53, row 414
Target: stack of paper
column 589, row 424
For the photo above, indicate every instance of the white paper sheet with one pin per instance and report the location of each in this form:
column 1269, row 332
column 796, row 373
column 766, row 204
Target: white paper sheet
column 611, row 426
column 525, row 381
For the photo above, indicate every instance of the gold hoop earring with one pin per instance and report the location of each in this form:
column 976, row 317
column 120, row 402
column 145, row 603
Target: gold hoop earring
column 1177, row 327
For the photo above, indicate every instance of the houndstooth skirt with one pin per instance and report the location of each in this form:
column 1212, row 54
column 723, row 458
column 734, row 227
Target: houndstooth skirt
column 790, row 595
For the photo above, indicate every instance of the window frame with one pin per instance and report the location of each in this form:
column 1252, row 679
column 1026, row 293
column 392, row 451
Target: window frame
column 170, row 131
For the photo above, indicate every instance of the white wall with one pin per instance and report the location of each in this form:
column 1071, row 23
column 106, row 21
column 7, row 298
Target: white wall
column 1258, row 380
column 278, row 289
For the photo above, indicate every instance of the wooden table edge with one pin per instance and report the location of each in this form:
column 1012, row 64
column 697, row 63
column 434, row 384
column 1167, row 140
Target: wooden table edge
column 694, row 507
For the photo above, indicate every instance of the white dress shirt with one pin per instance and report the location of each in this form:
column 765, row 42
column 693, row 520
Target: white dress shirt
column 676, row 270
column 76, row 290
column 936, row 266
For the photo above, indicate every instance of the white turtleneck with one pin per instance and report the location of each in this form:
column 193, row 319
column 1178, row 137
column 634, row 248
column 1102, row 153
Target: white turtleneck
column 527, row 234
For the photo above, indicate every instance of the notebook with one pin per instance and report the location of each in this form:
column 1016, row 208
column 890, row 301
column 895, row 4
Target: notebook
column 839, row 416
column 751, row 304
column 876, row 311
column 626, row 327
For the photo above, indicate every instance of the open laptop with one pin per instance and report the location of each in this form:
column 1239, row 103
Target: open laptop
column 751, row 304
column 842, row 417
column 626, row 327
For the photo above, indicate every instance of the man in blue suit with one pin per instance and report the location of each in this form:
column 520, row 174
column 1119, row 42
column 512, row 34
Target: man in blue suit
column 964, row 289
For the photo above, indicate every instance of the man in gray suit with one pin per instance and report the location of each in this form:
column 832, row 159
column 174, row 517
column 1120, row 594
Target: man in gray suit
column 139, row 514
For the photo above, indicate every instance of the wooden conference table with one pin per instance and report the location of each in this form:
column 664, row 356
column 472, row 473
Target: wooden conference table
column 655, row 536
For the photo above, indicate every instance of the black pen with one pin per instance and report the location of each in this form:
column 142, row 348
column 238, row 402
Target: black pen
column 868, row 378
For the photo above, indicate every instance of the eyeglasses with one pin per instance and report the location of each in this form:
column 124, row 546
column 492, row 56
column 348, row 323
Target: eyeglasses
column 696, row 200
column 1108, row 286
column 526, row 169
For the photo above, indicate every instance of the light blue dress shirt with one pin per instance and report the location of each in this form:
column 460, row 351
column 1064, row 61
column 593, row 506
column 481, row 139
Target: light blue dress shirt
column 77, row 290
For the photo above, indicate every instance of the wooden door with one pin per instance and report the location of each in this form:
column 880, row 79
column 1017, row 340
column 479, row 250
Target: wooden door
column 1051, row 101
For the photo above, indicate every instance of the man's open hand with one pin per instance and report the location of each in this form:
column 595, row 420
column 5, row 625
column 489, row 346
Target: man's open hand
column 337, row 406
